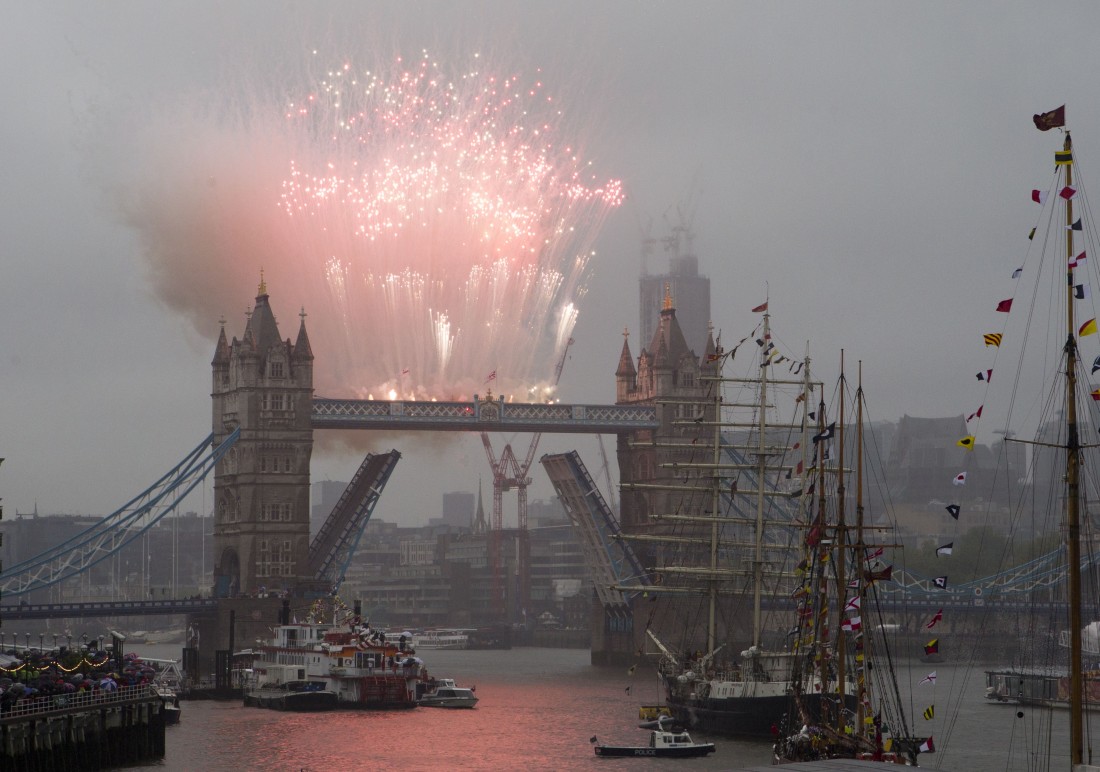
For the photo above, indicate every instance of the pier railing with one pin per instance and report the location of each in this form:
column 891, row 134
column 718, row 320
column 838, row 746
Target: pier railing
column 77, row 701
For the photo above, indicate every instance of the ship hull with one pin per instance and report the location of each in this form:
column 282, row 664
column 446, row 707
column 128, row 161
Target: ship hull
column 761, row 717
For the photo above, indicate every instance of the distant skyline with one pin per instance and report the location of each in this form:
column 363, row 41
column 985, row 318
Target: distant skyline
column 864, row 166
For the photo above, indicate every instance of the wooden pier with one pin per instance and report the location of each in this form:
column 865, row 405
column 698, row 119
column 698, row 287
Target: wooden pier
column 83, row 731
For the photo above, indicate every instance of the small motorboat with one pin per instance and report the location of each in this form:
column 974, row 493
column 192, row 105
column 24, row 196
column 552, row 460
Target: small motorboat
column 444, row 693
column 664, row 743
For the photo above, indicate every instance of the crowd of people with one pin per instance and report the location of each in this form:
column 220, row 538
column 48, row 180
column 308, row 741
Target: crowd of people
column 51, row 677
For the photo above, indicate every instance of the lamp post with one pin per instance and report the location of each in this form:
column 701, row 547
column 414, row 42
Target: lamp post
column 55, row 641
column 41, row 637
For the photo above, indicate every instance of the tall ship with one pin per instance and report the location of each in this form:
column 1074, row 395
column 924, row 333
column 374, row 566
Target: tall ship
column 319, row 665
column 743, row 508
column 760, row 545
column 840, row 640
column 1059, row 361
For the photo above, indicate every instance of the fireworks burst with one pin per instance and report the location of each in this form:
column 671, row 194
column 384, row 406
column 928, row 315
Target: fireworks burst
column 438, row 226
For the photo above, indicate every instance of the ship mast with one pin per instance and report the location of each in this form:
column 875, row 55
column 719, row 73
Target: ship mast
column 715, row 504
column 860, row 547
column 841, row 548
column 758, row 560
column 1073, row 525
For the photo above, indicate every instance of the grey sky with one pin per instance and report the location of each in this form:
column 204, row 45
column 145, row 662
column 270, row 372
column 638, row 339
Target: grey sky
column 867, row 162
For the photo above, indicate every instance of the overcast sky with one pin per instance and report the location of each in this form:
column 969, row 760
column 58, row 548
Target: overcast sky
column 867, row 164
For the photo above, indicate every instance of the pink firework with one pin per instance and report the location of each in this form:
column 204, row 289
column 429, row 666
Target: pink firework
column 437, row 226
column 451, row 222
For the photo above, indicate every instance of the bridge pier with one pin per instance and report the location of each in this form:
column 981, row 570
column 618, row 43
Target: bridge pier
column 236, row 624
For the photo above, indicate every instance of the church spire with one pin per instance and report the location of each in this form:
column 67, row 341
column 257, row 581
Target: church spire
column 479, row 516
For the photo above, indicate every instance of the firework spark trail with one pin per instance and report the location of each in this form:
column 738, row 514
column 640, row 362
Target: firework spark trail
column 436, row 226
column 453, row 224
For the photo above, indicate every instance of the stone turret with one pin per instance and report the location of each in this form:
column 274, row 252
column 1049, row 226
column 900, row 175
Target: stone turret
column 668, row 377
column 625, row 374
column 263, row 385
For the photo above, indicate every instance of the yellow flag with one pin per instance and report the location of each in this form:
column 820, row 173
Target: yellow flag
column 994, row 338
column 1088, row 328
column 966, row 442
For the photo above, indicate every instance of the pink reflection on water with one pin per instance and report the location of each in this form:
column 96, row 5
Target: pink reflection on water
column 538, row 709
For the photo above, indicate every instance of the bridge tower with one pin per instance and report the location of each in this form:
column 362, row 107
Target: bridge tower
column 264, row 385
column 670, row 376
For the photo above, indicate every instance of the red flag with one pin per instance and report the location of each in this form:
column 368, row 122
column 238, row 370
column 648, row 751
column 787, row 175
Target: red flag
column 1038, row 196
column 976, row 414
column 761, row 308
column 885, row 574
column 1051, row 120
column 1005, row 305
column 927, row 746
column 932, row 647
column 937, row 617
column 1067, row 193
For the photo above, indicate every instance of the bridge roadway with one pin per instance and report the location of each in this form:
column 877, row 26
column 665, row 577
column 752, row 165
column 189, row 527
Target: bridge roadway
column 118, row 608
column 481, row 415
column 108, row 608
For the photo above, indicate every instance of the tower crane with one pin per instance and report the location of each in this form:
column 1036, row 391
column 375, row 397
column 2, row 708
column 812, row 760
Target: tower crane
column 509, row 473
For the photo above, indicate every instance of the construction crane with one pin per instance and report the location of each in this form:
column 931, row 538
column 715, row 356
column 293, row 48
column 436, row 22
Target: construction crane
column 509, row 473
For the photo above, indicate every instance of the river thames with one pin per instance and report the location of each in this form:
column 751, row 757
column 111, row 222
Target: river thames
column 538, row 709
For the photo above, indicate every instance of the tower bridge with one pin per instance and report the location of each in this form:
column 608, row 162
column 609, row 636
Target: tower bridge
column 264, row 415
